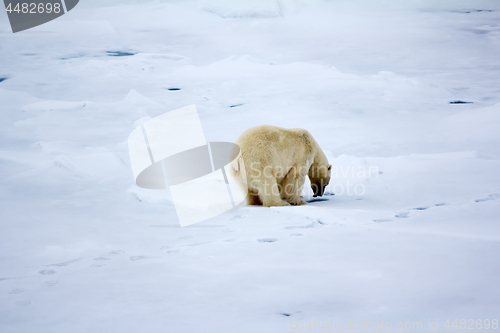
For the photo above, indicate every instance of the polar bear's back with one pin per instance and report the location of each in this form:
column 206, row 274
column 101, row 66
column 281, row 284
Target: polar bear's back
column 275, row 146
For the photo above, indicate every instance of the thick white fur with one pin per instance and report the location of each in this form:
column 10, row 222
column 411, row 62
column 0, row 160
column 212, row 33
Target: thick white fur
column 276, row 161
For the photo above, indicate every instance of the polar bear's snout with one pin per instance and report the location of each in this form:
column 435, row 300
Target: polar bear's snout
column 318, row 189
column 320, row 178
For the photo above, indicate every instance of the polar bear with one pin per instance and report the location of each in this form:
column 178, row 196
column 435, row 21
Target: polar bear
column 276, row 161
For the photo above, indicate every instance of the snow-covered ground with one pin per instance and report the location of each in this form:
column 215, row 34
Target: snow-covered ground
column 83, row 249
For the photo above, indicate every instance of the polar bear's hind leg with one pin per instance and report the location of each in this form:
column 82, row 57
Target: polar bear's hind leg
column 269, row 194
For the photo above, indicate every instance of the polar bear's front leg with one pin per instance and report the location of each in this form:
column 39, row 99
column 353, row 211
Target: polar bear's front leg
column 291, row 186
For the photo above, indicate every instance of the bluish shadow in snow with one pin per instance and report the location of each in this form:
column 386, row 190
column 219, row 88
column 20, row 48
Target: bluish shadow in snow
column 3, row 78
column 475, row 11
column 135, row 258
column 285, row 314
column 460, row 102
column 16, row 291
column 478, row 31
column 173, row 89
column 267, row 240
column 235, row 105
column 382, row 220
column 119, row 53
column 175, row 226
column 3, row 279
column 420, row 208
column 50, row 283
column 317, row 200
column 73, row 57
column 47, row 272
column 313, row 224
column 66, row 263
column 493, row 196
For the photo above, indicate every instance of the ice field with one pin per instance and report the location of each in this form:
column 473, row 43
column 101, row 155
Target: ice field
column 404, row 98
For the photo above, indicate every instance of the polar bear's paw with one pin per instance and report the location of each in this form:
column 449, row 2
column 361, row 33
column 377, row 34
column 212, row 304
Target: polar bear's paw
column 297, row 202
column 276, row 203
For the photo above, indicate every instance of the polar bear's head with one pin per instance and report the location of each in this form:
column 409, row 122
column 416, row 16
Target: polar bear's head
column 319, row 175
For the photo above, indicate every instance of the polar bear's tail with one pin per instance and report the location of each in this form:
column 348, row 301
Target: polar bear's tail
column 236, row 164
column 238, row 172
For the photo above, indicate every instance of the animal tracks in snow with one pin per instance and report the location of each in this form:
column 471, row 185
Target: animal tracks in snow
column 490, row 197
column 47, row 272
column 267, row 240
column 382, row 220
column 65, row 263
column 314, row 224
column 50, row 283
column 181, row 248
column 99, row 261
column 50, row 275
column 135, row 258
column 405, row 214
column 16, row 291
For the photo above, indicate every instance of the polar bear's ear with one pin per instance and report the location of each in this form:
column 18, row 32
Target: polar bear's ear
column 329, row 167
